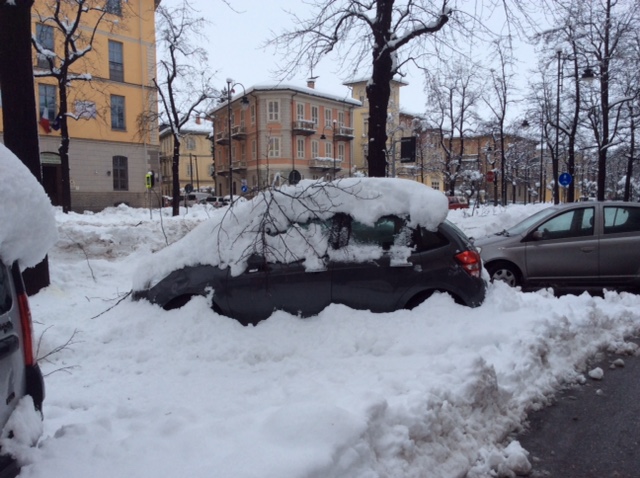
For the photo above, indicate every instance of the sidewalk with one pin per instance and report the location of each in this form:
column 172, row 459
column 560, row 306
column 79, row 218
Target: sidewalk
column 592, row 431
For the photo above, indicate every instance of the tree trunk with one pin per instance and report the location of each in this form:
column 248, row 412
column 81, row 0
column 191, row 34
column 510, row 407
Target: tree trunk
column 175, row 171
column 63, row 150
column 19, row 105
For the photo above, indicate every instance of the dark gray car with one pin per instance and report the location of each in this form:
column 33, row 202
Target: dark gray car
column 585, row 246
column 19, row 371
column 443, row 260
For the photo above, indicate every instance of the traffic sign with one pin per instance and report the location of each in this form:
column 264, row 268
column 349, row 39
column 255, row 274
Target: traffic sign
column 564, row 179
column 491, row 177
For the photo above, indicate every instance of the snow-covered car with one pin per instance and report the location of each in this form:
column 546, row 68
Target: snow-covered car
column 583, row 246
column 27, row 231
column 369, row 243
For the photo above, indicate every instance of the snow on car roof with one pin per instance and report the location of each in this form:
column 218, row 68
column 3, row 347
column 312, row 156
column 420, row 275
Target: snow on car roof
column 27, row 222
column 263, row 224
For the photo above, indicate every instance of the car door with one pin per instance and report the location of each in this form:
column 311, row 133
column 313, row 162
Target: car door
column 12, row 364
column 292, row 286
column 620, row 245
column 367, row 266
column 563, row 249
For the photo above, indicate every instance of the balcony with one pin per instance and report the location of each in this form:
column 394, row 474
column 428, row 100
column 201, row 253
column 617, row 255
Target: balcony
column 344, row 133
column 222, row 167
column 325, row 163
column 222, row 137
column 304, row 127
column 239, row 133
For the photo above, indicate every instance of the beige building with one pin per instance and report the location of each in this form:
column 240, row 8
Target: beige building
column 109, row 156
column 277, row 133
column 196, row 157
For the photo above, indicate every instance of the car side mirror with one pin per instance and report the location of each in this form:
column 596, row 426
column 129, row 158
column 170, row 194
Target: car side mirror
column 256, row 263
column 537, row 235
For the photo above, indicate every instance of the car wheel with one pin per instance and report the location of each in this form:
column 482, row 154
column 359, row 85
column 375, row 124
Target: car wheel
column 416, row 300
column 505, row 272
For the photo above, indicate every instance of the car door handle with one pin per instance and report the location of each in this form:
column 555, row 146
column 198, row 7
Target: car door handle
column 587, row 249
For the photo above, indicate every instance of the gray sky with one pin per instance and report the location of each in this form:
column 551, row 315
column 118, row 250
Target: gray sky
column 237, row 36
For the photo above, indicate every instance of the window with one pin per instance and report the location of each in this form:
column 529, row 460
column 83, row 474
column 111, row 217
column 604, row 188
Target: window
column 341, row 118
column 274, row 147
column 253, row 114
column 190, row 143
column 44, row 36
column 314, row 149
column 328, row 150
column 314, row 115
column 114, row 7
column 120, row 173
column 254, row 149
column 575, row 223
column 621, row 219
column 273, row 108
column 435, row 185
column 341, row 151
column 117, row 112
column 300, row 109
column 300, row 148
column 328, row 118
column 116, row 62
column 47, row 97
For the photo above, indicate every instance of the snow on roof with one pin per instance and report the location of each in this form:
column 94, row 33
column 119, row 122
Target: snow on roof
column 284, row 87
column 232, row 234
column 192, row 126
column 27, row 222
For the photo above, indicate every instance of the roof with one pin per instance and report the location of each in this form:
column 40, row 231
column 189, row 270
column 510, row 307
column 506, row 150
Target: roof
column 366, row 80
column 266, row 87
column 190, row 127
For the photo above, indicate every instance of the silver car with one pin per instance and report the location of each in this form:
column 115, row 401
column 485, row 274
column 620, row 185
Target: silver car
column 584, row 246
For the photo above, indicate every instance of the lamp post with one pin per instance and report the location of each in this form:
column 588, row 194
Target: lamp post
column 245, row 103
column 333, row 144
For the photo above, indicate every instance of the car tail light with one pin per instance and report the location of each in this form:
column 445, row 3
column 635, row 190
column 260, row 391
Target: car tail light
column 471, row 262
column 25, row 317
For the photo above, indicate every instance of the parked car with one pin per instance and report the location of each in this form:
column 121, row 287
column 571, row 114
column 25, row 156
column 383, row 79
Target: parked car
column 215, row 201
column 458, row 202
column 19, row 369
column 355, row 242
column 583, row 246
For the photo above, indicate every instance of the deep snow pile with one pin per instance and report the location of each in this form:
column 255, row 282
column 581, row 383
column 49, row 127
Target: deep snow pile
column 137, row 391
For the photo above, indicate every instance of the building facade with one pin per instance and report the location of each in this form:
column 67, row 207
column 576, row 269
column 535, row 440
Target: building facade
column 196, row 157
column 276, row 133
column 109, row 153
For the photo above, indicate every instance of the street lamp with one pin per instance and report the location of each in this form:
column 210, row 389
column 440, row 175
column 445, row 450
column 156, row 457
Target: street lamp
column 244, row 102
column 333, row 144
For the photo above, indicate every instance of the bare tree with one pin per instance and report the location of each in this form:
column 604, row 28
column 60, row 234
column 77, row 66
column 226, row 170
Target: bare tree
column 184, row 86
column 77, row 22
column 382, row 29
column 453, row 94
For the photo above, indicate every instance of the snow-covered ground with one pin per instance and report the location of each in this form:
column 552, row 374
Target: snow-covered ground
column 135, row 391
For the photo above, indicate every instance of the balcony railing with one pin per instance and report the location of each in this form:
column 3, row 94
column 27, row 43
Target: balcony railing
column 321, row 162
column 239, row 132
column 305, row 127
column 222, row 137
column 343, row 133
column 223, row 166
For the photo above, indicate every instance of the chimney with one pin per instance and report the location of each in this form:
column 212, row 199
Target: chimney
column 197, row 118
column 311, row 82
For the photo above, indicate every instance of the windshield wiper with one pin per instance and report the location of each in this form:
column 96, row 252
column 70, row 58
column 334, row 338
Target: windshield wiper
column 504, row 232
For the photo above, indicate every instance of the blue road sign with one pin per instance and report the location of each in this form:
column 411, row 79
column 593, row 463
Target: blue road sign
column 565, row 179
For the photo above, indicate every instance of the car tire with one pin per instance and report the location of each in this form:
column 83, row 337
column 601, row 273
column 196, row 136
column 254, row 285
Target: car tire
column 505, row 272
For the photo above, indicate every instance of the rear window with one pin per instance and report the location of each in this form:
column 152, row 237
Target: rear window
column 621, row 219
column 5, row 290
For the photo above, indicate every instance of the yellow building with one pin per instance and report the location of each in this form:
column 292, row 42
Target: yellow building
column 109, row 154
column 196, row 158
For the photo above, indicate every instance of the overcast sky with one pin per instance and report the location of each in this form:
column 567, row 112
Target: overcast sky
column 237, row 36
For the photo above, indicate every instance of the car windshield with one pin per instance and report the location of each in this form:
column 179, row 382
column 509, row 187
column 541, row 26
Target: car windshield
column 528, row 222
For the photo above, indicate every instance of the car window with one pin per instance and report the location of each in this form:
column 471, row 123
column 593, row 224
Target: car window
column 574, row 223
column 621, row 219
column 429, row 240
column 382, row 233
column 5, row 290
